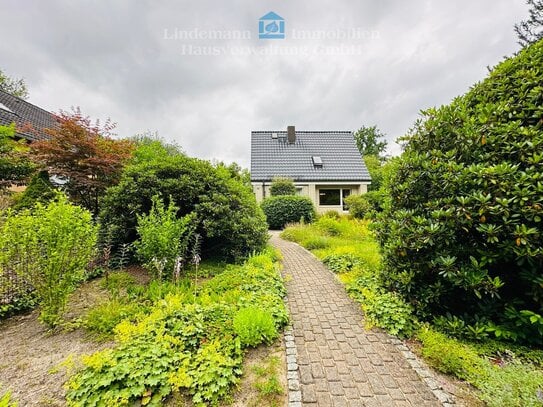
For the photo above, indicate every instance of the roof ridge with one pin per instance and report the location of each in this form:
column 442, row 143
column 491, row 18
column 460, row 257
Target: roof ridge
column 27, row 102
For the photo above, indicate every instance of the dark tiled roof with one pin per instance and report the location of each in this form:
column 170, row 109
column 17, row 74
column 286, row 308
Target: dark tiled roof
column 275, row 157
column 30, row 120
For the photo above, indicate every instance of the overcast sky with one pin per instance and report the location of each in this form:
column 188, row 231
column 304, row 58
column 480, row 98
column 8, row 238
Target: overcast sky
column 139, row 63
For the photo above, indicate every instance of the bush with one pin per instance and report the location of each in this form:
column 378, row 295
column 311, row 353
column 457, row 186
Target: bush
column 163, row 237
column 49, row 247
column 282, row 186
column 229, row 220
column 39, row 189
column 280, row 210
column 254, row 326
column 315, row 243
column 341, row 263
column 382, row 308
column 329, row 226
column 104, row 317
column 331, row 214
column 463, row 231
column 358, row 206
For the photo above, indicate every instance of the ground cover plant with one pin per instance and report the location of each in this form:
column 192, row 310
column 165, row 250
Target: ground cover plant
column 504, row 374
column 190, row 340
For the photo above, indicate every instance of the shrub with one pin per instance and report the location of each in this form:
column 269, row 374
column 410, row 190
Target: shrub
column 382, row 308
column 282, row 186
column 49, row 248
column 39, row 189
column 331, row 214
column 358, row 206
column 118, row 283
column 254, row 326
column 463, row 231
column 163, row 236
column 280, row 210
column 376, row 199
column 329, row 226
column 341, row 263
column 230, row 222
column 316, row 243
column 104, row 317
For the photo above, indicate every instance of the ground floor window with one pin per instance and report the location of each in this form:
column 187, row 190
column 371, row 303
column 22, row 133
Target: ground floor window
column 333, row 197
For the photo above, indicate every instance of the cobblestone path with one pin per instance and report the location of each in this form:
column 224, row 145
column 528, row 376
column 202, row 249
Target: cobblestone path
column 333, row 360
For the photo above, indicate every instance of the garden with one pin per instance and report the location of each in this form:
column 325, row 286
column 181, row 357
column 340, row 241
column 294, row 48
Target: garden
column 447, row 251
column 132, row 273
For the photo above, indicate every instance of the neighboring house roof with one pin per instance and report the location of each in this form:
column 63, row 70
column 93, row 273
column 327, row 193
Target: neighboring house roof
column 273, row 156
column 30, row 120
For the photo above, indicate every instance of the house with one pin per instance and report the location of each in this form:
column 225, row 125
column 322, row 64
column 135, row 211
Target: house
column 30, row 120
column 326, row 166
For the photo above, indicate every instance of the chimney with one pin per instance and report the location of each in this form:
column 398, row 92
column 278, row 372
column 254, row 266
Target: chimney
column 291, row 134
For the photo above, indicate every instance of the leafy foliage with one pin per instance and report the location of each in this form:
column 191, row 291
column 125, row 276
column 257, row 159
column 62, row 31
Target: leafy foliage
column 84, row 156
column 15, row 87
column 15, row 167
column 531, row 30
column 40, row 189
column 49, row 247
column 280, row 210
column 462, row 231
column 254, row 326
column 230, row 222
column 282, row 186
column 506, row 384
column 368, row 140
column 358, row 205
column 104, row 317
column 163, row 236
column 186, row 342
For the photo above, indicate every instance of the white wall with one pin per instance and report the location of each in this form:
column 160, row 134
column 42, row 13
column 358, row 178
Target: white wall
column 262, row 190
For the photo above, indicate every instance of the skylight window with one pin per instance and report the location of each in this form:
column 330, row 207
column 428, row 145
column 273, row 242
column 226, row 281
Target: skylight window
column 317, row 161
column 274, row 135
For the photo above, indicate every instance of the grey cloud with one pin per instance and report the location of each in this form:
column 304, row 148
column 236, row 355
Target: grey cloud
column 111, row 58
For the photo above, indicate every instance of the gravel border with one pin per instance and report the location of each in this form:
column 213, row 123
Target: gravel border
column 426, row 375
column 293, row 375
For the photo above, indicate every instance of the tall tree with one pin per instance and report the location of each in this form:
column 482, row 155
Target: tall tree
column 15, row 166
column 16, row 87
column 83, row 156
column 531, row 30
column 370, row 141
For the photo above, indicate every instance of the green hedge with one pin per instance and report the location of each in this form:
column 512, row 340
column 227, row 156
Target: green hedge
column 282, row 186
column 463, row 232
column 280, row 210
column 229, row 219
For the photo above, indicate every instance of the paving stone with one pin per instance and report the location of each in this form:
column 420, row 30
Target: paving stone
column 331, row 359
column 309, row 395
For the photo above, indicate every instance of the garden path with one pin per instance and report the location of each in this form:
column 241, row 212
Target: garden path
column 332, row 360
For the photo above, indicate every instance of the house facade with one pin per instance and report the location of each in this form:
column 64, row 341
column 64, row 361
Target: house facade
column 326, row 166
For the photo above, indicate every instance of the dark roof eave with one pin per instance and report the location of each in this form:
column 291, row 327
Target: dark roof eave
column 268, row 179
